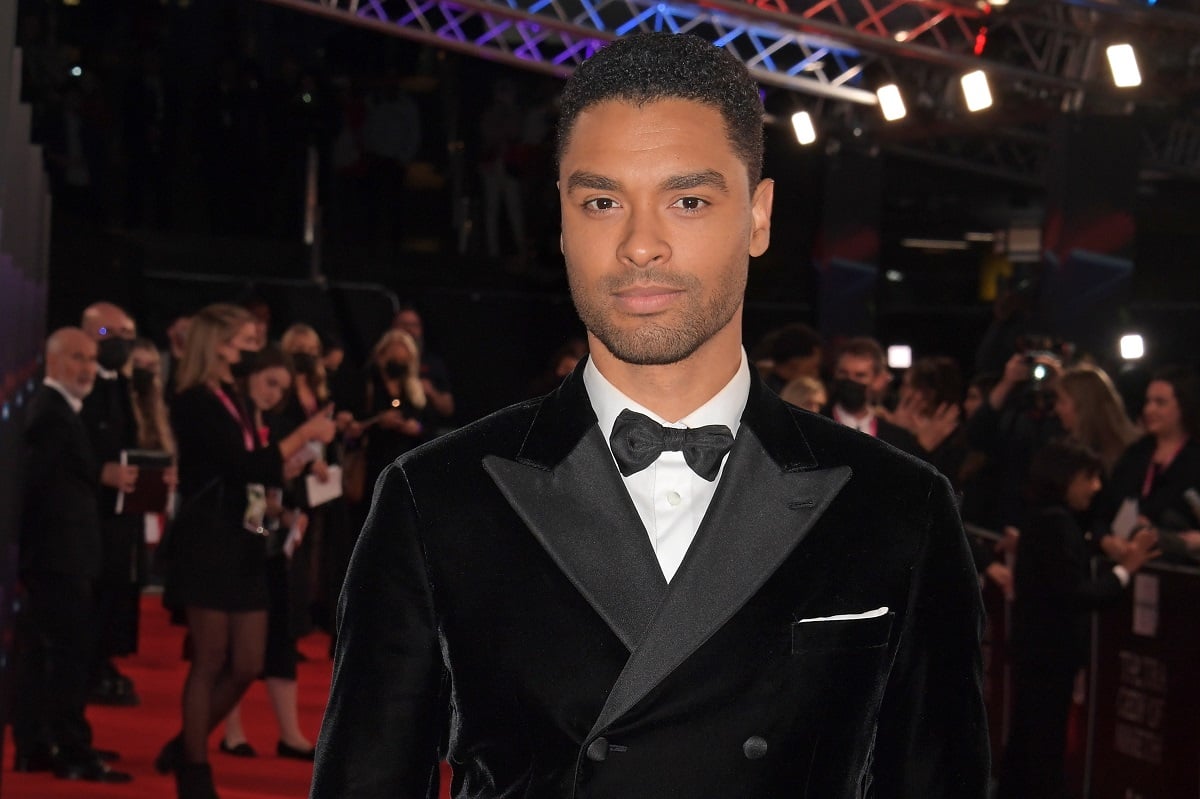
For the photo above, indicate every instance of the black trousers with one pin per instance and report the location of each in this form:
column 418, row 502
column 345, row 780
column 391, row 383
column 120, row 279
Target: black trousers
column 1035, row 754
column 56, row 642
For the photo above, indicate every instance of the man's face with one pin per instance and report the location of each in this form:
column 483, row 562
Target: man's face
column 74, row 365
column 658, row 225
column 410, row 322
column 862, row 369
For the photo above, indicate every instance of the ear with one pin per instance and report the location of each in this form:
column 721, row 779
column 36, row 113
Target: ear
column 760, row 215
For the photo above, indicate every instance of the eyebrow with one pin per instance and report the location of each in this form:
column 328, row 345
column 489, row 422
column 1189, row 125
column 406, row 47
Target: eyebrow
column 691, row 180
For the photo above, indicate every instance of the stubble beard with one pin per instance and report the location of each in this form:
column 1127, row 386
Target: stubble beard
column 665, row 338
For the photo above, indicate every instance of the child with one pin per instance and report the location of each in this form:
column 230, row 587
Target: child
column 1055, row 594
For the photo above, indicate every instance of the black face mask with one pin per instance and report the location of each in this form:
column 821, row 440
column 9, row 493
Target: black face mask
column 395, row 369
column 112, row 353
column 143, row 380
column 851, row 395
column 304, row 362
column 246, row 365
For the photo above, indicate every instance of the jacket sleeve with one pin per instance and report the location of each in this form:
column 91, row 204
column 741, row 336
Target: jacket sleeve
column 1052, row 566
column 932, row 739
column 381, row 732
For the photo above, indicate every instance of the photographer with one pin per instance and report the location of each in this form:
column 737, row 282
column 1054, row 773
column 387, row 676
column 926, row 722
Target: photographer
column 1015, row 422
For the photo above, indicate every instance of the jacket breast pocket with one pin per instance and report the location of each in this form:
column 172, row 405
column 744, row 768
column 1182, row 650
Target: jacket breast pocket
column 841, row 635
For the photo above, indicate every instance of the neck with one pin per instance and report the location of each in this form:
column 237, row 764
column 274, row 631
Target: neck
column 676, row 389
column 1169, row 442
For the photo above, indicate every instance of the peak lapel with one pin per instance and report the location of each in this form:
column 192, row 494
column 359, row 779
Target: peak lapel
column 566, row 488
column 763, row 508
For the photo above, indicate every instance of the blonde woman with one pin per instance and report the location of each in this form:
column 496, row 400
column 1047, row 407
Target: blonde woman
column 217, row 553
column 393, row 415
column 1092, row 413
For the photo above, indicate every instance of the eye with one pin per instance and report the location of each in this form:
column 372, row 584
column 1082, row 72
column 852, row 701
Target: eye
column 600, row 204
column 691, row 204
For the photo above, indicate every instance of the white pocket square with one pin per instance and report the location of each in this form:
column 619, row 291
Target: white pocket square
column 870, row 614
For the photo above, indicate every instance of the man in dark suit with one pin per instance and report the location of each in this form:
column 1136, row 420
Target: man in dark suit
column 60, row 558
column 860, row 380
column 112, row 427
column 660, row 580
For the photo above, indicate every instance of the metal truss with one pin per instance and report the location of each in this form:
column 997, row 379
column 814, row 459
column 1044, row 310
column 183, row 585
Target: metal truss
column 1044, row 54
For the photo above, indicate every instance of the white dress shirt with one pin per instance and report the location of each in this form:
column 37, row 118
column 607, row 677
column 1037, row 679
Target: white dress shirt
column 75, row 403
column 864, row 425
column 670, row 498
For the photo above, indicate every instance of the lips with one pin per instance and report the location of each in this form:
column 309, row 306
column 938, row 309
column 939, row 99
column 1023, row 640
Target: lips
column 647, row 299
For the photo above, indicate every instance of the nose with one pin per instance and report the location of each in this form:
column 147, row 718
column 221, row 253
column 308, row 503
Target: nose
column 642, row 243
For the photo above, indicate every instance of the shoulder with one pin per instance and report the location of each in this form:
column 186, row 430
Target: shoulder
column 500, row 433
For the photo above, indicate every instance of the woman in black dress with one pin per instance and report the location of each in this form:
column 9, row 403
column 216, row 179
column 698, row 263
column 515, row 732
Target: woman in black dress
column 217, row 554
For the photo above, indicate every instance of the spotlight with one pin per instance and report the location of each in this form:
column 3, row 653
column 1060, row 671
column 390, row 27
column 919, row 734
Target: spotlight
column 890, row 102
column 1123, row 63
column 899, row 356
column 1133, row 347
column 802, row 123
column 976, row 90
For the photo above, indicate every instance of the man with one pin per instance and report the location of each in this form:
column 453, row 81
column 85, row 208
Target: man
column 60, row 559
column 112, row 427
column 656, row 614
column 795, row 352
column 859, row 381
column 435, row 378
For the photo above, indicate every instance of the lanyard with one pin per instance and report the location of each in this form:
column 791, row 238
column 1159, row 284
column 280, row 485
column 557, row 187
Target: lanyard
column 1153, row 470
column 247, row 436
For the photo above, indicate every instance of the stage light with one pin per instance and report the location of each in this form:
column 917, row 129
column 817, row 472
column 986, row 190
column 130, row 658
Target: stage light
column 890, row 102
column 1123, row 63
column 1133, row 347
column 976, row 90
column 802, row 123
column 899, row 356
column 76, row 72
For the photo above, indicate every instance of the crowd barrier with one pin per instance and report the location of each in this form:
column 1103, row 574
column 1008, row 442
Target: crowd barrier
column 1135, row 727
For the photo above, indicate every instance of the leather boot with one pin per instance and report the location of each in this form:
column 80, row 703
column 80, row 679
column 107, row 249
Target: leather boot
column 170, row 758
column 194, row 781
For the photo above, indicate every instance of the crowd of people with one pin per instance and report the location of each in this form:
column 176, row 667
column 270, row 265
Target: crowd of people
column 268, row 451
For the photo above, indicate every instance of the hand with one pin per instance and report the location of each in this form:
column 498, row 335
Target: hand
column 932, row 430
column 1016, row 370
column 1140, row 549
column 906, row 413
column 392, row 420
column 171, row 477
column 1002, row 576
column 320, row 428
column 343, row 420
column 320, row 470
column 354, row 430
column 428, row 387
column 1191, row 539
column 1008, row 544
column 122, row 478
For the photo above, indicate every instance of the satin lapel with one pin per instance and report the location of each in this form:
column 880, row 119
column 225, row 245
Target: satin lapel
column 760, row 513
column 568, row 492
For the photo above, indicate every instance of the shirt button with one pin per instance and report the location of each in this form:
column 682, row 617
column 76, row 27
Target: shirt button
column 673, row 498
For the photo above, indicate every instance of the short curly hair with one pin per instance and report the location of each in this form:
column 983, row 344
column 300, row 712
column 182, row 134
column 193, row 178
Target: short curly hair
column 647, row 67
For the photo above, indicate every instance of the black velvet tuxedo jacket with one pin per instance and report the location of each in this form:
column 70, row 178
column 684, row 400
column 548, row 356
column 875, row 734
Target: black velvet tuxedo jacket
column 504, row 584
column 60, row 522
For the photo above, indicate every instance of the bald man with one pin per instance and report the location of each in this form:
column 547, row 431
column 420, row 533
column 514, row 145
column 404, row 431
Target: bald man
column 60, row 558
column 112, row 427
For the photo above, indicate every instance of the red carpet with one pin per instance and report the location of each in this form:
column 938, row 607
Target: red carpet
column 139, row 732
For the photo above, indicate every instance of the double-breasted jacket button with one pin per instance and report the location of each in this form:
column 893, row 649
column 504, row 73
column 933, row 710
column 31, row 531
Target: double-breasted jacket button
column 597, row 750
column 755, row 747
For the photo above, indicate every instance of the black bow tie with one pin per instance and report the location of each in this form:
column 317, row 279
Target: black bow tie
column 638, row 440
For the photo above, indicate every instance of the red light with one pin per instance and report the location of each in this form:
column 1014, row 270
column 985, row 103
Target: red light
column 981, row 40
